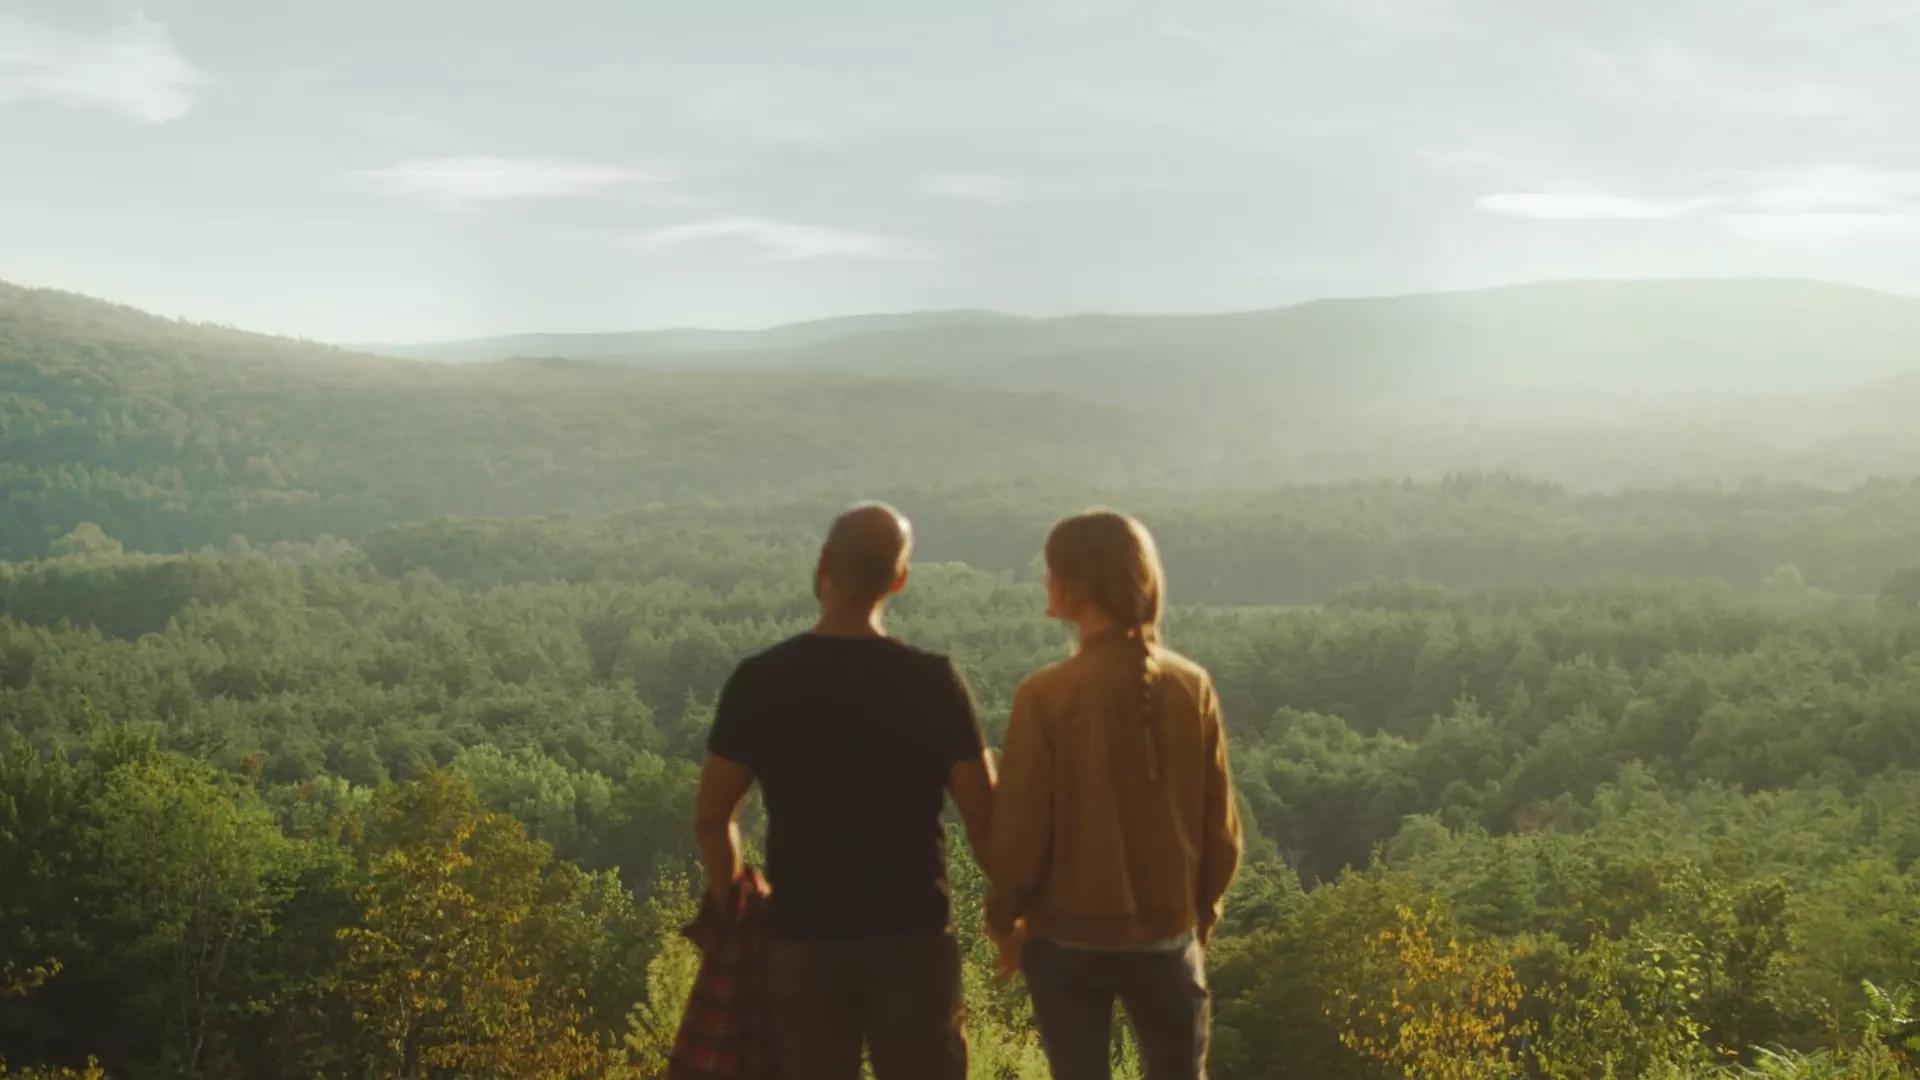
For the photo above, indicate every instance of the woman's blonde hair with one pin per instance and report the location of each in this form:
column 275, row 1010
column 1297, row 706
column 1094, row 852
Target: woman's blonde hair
column 1108, row 559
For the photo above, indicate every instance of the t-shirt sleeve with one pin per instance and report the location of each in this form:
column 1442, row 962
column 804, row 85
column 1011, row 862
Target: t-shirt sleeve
column 737, row 725
column 958, row 721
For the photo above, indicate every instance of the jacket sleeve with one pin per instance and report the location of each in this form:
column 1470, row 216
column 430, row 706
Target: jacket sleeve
column 1022, row 841
column 1221, row 838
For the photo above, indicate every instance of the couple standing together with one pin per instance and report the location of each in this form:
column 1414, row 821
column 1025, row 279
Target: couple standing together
column 1109, row 837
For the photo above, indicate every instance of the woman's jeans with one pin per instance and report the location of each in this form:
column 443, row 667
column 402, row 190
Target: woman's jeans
column 1164, row 993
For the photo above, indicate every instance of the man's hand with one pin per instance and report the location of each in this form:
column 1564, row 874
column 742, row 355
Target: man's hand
column 734, row 899
column 726, row 894
column 723, row 787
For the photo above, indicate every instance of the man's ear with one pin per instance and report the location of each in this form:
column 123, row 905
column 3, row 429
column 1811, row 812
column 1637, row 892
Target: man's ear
column 899, row 582
column 820, row 575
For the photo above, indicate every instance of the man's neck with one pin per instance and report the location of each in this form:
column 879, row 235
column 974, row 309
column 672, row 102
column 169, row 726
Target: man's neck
column 856, row 623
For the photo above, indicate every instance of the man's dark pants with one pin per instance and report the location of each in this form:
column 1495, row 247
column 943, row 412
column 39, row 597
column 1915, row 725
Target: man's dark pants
column 900, row 996
column 1165, row 995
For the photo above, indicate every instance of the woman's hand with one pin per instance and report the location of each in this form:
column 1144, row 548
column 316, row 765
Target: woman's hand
column 1007, row 950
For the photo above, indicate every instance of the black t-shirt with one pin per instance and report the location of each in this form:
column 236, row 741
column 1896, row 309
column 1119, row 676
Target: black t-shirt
column 852, row 740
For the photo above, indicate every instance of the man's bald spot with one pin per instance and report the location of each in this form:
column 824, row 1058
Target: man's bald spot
column 867, row 550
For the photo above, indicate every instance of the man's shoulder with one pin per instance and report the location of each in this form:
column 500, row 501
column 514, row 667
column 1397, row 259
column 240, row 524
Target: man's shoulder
column 930, row 672
column 914, row 654
column 804, row 649
column 770, row 655
column 773, row 658
column 784, row 647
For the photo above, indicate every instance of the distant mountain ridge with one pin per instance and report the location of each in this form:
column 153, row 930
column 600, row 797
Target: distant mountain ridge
column 686, row 340
column 1587, row 344
column 171, row 433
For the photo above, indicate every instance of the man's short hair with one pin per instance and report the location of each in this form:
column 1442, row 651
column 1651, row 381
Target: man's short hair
column 867, row 550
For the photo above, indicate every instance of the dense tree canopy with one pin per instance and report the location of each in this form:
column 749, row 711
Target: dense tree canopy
column 1560, row 803
column 350, row 713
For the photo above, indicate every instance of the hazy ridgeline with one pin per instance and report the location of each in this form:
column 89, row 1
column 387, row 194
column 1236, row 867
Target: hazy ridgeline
column 171, row 436
column 1579, row 732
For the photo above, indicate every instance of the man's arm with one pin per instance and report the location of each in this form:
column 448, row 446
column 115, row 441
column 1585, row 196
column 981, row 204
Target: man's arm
column 970, row 777
column 716, row 808
column 971, row 785
column 733, row 747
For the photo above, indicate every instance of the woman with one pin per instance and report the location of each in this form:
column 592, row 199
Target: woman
column 1115, row 832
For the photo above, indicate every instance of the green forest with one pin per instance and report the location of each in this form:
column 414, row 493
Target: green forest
column 350, row 712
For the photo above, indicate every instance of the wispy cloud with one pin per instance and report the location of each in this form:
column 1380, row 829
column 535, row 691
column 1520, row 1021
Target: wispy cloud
column 1832, row 188
column 1872, row 14
column 804, row 108
column 1815, row 229
column 485, row 178
column 1669, row 76
column 1587, row 206
column 973, row 187
column 1805, row 101
column 1811, row 205
column 781, row 240
column 131, row 67
column 1826, row 204
column 1448, row 17
column 1186, row 32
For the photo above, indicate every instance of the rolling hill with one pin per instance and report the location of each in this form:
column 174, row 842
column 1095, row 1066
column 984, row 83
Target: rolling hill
column 171, row 435
column 1571, row 348
column 688, row 341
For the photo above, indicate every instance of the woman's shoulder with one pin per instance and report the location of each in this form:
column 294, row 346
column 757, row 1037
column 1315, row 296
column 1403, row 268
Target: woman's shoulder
column 1184, row 670
column 1062, row 675
column 1046, row 680
column 1180, row 664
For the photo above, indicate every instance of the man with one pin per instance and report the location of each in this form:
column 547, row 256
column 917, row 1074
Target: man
column 853, row 738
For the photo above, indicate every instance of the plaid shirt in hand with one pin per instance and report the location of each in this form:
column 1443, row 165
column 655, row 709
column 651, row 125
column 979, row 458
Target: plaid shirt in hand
column 726, row 1032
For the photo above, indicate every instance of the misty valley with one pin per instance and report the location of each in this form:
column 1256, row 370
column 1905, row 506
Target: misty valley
column 352, row 706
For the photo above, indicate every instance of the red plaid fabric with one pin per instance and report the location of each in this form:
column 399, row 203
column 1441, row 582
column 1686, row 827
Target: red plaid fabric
column 726, row 1032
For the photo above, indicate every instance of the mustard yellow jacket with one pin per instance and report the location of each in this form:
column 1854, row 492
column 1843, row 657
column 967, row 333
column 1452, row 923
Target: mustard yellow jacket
column 1102, row 834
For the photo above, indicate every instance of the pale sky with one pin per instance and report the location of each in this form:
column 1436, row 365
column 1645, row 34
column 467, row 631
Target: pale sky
column 400, row 170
